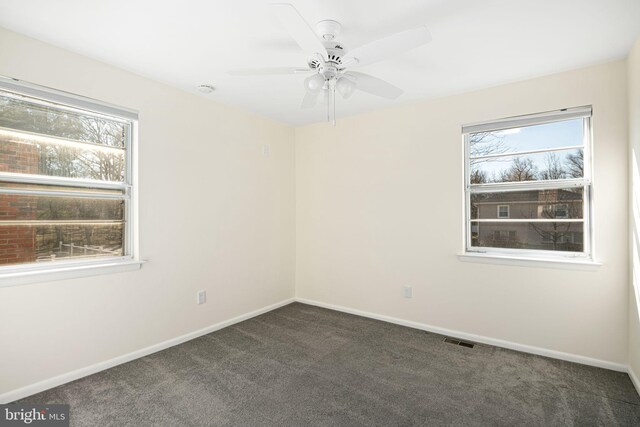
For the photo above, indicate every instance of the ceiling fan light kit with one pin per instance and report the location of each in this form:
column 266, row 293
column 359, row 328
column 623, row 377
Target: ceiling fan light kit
column 329, row 59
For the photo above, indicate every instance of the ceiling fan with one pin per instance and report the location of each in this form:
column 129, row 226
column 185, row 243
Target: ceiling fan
column 329, row 60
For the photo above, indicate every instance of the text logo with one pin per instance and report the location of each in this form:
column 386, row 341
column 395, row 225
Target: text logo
column 24, row 414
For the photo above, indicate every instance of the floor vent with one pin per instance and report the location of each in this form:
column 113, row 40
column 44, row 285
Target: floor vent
column 459, row 342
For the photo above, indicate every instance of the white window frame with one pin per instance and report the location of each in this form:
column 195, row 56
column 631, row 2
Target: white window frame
column 69, row 268
column 498, row 212
column 471, row 253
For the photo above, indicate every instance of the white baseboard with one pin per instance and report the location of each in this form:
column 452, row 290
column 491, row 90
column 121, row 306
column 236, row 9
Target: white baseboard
column 56, row 381
column 634, row 379
column 476, row 338
column 101, row 366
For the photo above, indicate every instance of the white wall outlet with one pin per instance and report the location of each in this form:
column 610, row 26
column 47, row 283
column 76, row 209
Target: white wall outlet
column 407, row 292
column 202, row 297
column 265, row 150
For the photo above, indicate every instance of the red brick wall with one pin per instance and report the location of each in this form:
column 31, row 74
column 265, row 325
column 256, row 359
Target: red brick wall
column 17, row 242
column 19, row 158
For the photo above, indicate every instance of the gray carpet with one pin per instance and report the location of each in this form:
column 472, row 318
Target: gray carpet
column 307, row 366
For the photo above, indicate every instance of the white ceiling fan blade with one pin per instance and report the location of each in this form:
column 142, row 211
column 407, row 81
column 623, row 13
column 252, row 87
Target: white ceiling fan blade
column 388, row 46
column 271, row 71
column 374, row 85
column 298, row 28
column 310, row 99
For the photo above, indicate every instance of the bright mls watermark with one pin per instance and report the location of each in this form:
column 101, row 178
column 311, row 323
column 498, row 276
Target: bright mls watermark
column 25, row 414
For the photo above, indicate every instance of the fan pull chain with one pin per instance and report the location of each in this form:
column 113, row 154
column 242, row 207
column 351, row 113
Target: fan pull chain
column 328, row 104
column 331, row 103
column 333, row 109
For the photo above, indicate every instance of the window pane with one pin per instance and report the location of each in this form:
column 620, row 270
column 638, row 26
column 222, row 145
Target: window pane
column 20, row 244
column 550, row 236
column 564, row 203
column 528, row 167
column 566, row 133
column 18, row 207
column 18, row 113
column 31, row 154
column 41, row 187
column 24, row 240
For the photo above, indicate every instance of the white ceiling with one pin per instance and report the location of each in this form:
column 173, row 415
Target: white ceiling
column 189, row 42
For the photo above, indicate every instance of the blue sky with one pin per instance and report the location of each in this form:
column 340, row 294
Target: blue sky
column 550, row 135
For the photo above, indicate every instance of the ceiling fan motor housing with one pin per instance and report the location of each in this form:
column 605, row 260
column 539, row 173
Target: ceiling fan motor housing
column 328, row 30
column 335, row 52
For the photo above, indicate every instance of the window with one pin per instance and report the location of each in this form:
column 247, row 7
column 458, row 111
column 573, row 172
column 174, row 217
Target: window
column 528, row 185
column 66, row 180
column 503, row 211
column 561, row 210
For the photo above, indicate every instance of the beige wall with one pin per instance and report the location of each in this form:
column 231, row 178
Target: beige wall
column 379, row 205
column 215, row 214
column 634, row 144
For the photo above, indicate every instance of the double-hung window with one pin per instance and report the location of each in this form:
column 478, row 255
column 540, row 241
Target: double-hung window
column 66, row 181
column 528, row 186
column 503, row 211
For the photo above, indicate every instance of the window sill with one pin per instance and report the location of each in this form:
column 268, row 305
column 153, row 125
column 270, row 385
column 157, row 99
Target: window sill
column 26, row 277
column 564, row 264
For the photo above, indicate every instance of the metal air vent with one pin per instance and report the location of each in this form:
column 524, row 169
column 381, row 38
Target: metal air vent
column 459, row 342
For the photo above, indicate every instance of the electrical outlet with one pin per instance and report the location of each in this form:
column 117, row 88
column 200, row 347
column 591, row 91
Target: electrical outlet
column 201, row 297
column 265, row 150
column 407, row 292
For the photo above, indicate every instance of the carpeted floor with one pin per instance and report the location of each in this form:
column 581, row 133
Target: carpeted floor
column 307, row 366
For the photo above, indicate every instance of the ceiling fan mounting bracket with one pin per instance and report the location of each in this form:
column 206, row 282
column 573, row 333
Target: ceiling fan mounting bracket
column 328, row 29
